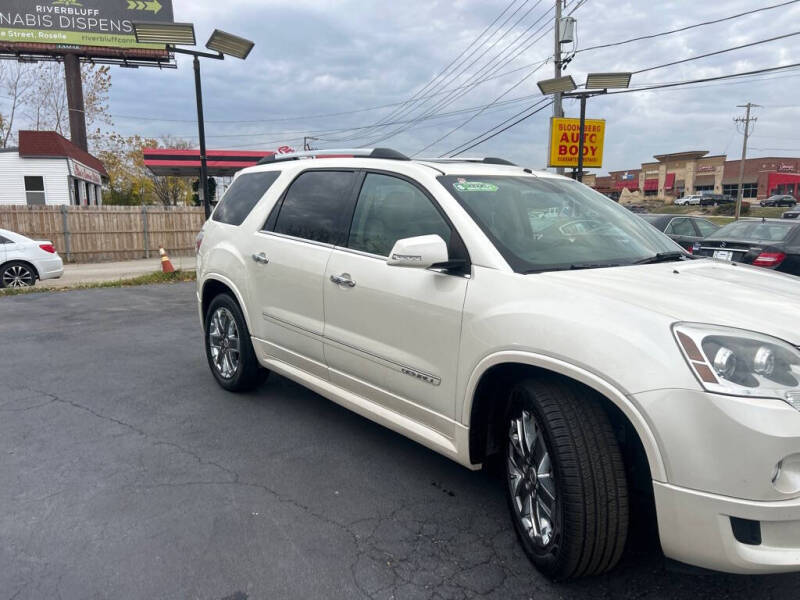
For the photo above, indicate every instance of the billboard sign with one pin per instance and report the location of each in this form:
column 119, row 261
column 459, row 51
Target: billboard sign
column 565, row 137
column 79, row 24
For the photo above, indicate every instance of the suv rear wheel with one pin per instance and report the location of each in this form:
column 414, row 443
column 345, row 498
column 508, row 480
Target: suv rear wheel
column 228, row 346
column 566, row 486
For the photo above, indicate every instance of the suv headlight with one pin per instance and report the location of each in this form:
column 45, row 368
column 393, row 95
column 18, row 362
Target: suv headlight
column 741, row 363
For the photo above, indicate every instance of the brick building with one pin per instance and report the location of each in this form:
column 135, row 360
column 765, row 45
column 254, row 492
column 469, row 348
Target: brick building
column 678, row 174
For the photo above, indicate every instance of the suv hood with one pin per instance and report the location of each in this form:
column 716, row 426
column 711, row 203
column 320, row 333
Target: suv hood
column 702, row 291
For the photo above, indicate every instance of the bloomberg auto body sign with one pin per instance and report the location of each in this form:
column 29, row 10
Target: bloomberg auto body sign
column 105, row 23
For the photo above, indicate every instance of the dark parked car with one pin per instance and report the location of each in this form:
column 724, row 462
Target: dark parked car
column 708, row 199
column 792, row 214
column 770, row 243
column 683, row 229
column 779, row 200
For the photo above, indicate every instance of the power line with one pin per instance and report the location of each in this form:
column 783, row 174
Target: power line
column 704, row 79
column 443, row 103
column 473, row 43
column 473, row 117
column 480, row 135
column 716, row 52
column 688, row 27
column 503, row 129
column 453, row 76
column 475, row 84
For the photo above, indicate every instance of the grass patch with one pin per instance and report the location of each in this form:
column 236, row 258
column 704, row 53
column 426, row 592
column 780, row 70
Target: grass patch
column 148, row 279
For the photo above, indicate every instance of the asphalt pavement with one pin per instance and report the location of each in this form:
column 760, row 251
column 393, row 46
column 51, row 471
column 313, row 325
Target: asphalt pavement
column 126, row 472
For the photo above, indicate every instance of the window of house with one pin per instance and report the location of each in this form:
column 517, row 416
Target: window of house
column 317, row 207
column 390, row 209
column 34, row 190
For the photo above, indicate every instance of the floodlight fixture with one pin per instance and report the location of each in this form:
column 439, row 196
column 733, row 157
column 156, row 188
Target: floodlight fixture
column 227, row 43
column 557, row 85
column 174, row 34
column 605, row 81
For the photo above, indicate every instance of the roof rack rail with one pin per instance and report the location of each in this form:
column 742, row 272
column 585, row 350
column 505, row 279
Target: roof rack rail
column 386, row 153
column 487, row 160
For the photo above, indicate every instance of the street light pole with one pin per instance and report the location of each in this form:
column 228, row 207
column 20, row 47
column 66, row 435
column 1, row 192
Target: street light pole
column 580, row 141
column 201, row 130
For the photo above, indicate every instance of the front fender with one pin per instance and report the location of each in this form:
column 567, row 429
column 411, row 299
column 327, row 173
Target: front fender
column 612, row 391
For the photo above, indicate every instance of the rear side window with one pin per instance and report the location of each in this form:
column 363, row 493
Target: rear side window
column 706, row 227
column 242, row 196
column 680, row 227
column 4, row 240
column 317, row 207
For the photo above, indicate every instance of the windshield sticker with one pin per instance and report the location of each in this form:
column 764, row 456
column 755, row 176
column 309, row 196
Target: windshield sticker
column 475, row 186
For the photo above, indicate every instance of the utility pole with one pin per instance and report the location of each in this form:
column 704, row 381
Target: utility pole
column 746, row 120
column 557, row 110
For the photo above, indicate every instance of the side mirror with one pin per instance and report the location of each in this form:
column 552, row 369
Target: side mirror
column 419, row 252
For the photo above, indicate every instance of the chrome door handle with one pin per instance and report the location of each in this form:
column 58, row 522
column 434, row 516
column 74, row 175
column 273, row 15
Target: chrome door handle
column 260, row 258
column 343, row 279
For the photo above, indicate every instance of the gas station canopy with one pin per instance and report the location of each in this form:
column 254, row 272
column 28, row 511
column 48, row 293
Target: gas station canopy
column 186, row 163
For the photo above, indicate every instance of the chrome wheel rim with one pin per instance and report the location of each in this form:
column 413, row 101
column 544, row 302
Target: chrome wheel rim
column 530, row 479
column 223, row 342
column 17, row 276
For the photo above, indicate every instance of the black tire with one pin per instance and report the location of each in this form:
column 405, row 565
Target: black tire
column 17, row 268
column 247, row 373
column 590, row 516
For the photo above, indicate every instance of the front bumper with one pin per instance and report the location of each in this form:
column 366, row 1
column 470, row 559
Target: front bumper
column 696, row 528
column 721, row 455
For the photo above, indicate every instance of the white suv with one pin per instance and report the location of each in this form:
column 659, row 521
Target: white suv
column 488, row 311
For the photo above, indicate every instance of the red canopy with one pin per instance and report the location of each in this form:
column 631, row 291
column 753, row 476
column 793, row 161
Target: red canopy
column 650, row 185
column 629, row 184
column 669, row 182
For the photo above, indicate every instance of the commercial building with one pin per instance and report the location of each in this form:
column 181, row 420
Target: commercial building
column 46, row 168
column 675, row 175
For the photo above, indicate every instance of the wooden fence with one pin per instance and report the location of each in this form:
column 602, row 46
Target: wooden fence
column 101, row 233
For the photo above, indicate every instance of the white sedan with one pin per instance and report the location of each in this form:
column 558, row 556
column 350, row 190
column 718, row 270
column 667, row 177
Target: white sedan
column 23, row 260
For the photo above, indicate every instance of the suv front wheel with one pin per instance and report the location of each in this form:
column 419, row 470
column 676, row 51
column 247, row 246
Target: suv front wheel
column 228, row 346
column 566, row 486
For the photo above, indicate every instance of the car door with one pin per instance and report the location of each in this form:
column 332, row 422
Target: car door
column 682, row 231
column 392, row 333
column 288, row 268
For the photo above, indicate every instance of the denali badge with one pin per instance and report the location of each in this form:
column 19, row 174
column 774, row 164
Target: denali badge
column 422, row 376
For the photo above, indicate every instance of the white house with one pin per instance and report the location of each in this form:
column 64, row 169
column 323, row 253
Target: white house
column 46, row 168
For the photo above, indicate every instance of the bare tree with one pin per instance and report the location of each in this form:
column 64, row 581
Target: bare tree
column 16, row 81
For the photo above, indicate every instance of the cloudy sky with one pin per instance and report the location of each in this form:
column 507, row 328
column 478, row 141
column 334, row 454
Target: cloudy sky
column 317, row 57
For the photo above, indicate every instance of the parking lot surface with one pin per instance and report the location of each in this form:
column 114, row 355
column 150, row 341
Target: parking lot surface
column 126, row 472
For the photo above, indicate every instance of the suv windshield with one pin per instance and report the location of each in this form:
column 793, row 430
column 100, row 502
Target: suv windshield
column 546, row 224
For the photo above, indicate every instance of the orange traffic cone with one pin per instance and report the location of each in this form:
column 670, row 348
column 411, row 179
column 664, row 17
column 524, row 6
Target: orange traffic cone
column 166, row 263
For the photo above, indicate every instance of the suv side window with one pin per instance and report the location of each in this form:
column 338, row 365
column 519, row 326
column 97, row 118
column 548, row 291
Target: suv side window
column 681, row 227
column 317, row 206
column 389, row 209
column 3, row 240
column 242, row 196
